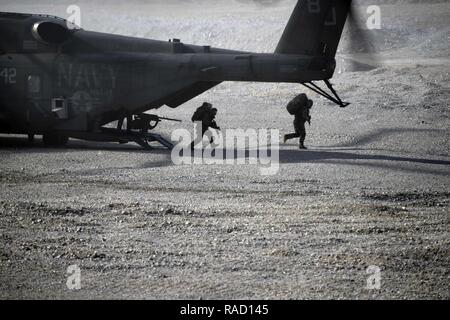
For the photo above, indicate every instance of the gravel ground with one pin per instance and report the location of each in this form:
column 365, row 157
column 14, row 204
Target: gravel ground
column 372, row 190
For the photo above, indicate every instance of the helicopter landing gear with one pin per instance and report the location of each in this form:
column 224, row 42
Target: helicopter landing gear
column 144, row 142
column 142, row 139
column 54, row 139
column 138, row 129
column 333, row 96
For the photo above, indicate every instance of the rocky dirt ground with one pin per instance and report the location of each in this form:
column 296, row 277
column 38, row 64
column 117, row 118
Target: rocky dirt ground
column 372, row 190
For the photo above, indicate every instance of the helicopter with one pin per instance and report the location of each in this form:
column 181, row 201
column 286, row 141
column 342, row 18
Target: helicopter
column 61, row 81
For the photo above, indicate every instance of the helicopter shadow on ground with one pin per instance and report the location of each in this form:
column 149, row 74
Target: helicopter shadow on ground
column 382, row 133
column 333, row 156
column 359, row 152
column 22, row 144
column 318, row 155
column 363, row 144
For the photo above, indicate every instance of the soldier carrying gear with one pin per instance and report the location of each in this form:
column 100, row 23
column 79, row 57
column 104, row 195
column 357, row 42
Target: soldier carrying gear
column 205, row 114
column 299, row 107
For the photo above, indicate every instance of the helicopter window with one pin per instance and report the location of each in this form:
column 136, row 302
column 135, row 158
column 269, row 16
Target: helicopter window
column 34, row 84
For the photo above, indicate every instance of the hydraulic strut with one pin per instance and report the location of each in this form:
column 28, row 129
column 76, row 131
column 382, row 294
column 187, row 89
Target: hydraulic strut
column 333, row 96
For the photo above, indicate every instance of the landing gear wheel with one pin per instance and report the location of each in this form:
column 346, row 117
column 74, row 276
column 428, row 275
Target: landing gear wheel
column 53, row 139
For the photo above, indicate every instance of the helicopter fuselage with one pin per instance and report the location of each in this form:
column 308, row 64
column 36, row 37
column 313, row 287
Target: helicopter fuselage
column 80, row 80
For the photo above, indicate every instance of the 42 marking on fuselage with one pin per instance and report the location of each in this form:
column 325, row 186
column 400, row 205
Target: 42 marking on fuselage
column 8, row 75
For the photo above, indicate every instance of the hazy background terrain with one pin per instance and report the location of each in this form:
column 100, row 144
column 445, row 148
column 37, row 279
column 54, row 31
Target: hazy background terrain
column 373, row 188
column 247, row 25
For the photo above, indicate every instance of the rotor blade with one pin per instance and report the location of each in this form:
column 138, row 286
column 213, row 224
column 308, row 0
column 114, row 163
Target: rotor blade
column 361, row 44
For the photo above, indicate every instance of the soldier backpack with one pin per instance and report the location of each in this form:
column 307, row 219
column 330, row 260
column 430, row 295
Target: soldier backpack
column 199, row 113
column 298, row 102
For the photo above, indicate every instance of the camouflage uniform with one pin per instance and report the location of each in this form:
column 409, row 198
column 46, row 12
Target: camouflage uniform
column 206, row 116
column 301, row 116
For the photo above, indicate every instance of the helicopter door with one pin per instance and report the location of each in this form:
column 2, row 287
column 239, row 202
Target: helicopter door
column 34, row 94
column 34, row 86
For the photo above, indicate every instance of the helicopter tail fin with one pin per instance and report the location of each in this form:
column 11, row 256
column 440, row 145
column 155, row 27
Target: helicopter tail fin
column 315, row 28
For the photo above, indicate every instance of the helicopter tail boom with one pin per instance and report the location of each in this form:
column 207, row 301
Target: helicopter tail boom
column 315, row 28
